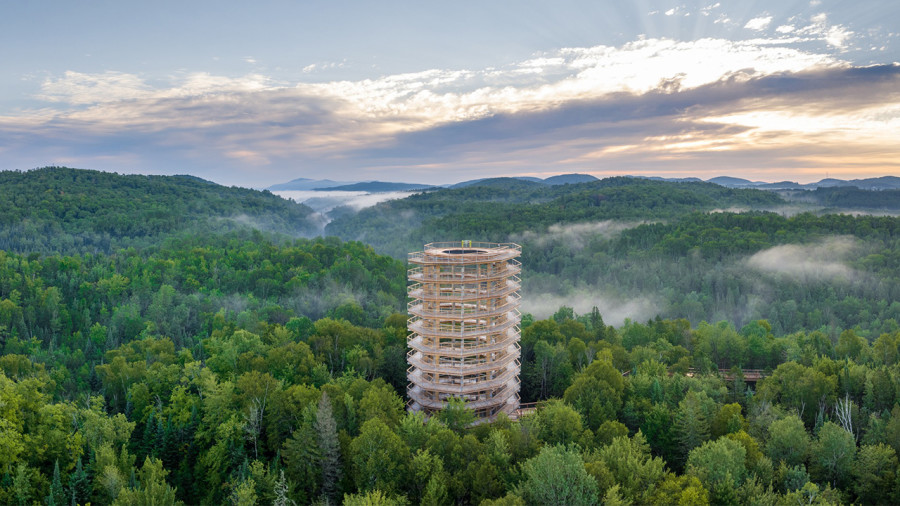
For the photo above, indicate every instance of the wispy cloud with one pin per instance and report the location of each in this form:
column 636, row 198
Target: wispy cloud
column 822, row 261
column 413, row 101
column 81, row 89
column 706, row 11
column 835, row 35
column 760, row 23
column 614, row 308
column 575, row 235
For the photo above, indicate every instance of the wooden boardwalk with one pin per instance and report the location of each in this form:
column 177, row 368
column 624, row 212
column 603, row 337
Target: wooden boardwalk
column 749, row 375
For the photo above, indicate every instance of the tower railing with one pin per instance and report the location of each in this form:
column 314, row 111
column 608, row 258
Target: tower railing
column 464, row 326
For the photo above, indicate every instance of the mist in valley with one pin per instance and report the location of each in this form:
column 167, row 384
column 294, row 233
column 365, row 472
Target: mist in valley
column 822, row 261
column 325, row 202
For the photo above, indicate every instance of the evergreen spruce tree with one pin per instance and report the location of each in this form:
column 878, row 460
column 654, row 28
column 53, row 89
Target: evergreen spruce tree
column 57, row 495
column 691, row 425
column 148, row 441
column 326, row 434
column 22, row 483
column 281, row 492
column 79, row 484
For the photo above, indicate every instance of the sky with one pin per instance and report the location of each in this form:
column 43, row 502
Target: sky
column 259, row 93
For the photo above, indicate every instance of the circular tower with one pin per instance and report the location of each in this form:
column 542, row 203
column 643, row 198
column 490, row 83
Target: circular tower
column 464, row 327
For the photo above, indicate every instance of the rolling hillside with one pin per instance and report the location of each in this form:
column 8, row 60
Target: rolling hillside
column 64, row 210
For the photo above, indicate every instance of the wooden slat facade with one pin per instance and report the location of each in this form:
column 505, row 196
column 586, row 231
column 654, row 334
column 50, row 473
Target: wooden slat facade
column 464, row 327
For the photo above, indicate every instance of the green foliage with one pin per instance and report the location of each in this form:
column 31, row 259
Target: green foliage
column 627, row 463
column 587, row 238
column 596, row 393
column 495, row 212
column 721, row 466
column 57, row 209
column 692, row 422
column 853, row 197
column 456, row 415
column 831, row 455
column 374, row 498
column 560, row 424
column 379, row 457
column 727, row 421
column 788, row 441
column 327, row 438
column 57, row 495
column 152, row 489
column 556, row 476
column 873, row 473
column 174, row 365
column 681, row 490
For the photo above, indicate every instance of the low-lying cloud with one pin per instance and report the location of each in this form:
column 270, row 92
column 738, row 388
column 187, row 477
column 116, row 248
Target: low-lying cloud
column 575, row 235
column 615, row 310
column 822, row 261
column 325, row 201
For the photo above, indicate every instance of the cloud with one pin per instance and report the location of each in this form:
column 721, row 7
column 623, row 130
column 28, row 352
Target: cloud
column 822, row 261
column 325, row 201
column 614, row 309
column 79, row 89
column 706, row 11
column 313, row 67
column 439, row 96
column 837, row 36
column 673, row 133
column 574, row 235
column 760, row 23
column 251, row 157
column 649, row 106
column 76, row 88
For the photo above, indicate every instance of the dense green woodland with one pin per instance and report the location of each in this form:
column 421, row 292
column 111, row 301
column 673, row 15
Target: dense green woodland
column 62, row 210
column 245, row 367
column 667, row 248
column 495, row 209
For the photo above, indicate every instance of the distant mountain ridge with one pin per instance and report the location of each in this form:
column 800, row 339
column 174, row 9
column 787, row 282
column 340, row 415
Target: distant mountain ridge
column 305, row 184
column 570, row 179
column 873, row 183
column 552, row 180
column 378, row 187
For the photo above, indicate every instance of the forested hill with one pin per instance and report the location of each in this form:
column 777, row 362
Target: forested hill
column 639, row 248
column 64, row 210
column 494, row 209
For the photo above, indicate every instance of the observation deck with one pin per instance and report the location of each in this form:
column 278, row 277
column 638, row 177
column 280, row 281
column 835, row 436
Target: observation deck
column 464, row 327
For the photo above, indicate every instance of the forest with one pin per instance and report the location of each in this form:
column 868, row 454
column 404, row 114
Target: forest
column 678, row 250
column 62, row 210
column 190, row 364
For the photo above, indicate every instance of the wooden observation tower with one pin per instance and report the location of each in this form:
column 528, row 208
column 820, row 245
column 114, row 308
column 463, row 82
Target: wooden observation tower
column 464, row 327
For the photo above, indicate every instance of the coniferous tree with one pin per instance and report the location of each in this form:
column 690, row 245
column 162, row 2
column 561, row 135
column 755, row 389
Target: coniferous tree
column 691, row 425
column 79, row 484
column 57, row 495
column 22, row 483
column 281, row 492
column 329, row 447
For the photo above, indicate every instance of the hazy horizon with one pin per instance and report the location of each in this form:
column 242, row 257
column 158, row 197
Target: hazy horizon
column 327, row 192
